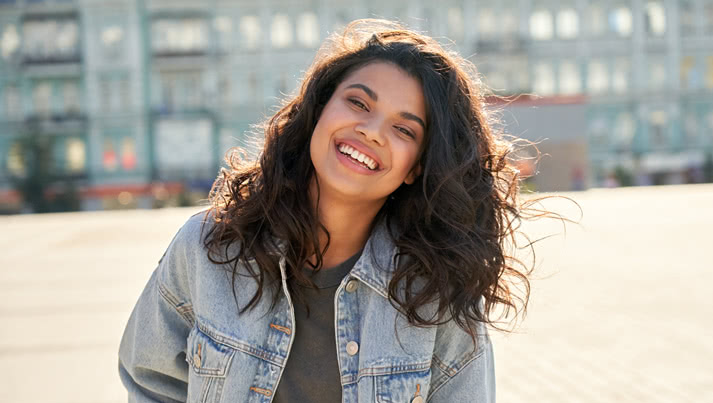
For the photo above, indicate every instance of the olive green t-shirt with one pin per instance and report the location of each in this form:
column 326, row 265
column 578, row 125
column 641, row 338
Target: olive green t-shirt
column 312, row 372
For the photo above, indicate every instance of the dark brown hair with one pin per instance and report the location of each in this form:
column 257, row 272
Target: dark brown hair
column 452, row 223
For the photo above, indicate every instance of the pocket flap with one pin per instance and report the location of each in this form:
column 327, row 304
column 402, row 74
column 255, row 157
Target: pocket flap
column 206, row 356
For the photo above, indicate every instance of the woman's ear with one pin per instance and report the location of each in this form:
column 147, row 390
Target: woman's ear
column 411, row 177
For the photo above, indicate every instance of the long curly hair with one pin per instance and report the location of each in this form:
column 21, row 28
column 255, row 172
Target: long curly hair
column 453, row 222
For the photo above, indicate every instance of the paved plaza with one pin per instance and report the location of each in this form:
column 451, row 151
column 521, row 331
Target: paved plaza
column 621, row 307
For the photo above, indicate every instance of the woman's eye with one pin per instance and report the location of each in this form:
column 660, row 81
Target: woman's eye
column 358, row 104
column 405, row 131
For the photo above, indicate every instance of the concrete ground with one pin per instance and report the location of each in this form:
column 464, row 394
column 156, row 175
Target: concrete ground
column 621, row 308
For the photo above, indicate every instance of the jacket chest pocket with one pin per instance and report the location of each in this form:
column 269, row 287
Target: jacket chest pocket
column 208, row 363
column 401, row 383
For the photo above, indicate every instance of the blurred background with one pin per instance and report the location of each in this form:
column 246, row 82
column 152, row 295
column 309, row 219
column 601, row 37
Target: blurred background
column 131, row 105
column 125, row 103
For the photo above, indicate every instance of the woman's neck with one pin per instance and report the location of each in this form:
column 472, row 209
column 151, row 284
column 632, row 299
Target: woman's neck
column 349, row 226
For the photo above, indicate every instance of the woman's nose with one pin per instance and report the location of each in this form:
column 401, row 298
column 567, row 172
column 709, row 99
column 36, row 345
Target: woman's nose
column 372, row 130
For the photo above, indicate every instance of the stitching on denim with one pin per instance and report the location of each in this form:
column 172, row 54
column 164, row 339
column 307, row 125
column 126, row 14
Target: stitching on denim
column 281, row 328
column 261, row 391
column 463, row 364
column 385, row 370
column 184, row 310
column 371, row 284
column 212, row 372
column 206, row 389
column 243, row 347
column 443, row 367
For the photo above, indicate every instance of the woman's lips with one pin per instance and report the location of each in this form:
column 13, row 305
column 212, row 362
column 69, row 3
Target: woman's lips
column 353, row 164
column 362, row 149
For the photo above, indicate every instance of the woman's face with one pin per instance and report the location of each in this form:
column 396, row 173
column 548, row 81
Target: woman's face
column 368, row 138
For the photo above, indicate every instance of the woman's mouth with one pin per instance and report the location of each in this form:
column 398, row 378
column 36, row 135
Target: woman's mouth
column 357, row 157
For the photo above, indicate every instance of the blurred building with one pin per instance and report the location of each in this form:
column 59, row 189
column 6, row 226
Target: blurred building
column 138, row 93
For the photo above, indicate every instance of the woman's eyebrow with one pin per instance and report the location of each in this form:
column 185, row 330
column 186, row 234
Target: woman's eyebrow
column 366, row 89
column 411, row 116
column 372, row 95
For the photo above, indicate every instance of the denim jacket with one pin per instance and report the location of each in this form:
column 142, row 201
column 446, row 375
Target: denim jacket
column 187, row 341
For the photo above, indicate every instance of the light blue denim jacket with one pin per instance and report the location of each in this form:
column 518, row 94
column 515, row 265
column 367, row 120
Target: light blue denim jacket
column 187, row 341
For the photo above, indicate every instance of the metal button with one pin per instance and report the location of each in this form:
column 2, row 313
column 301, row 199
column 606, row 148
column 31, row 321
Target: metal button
column 352, row 285
column 352, row 348
column 197, row 360
column 417, row 399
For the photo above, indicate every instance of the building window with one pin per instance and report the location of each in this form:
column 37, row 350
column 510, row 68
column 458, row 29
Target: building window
column 541, row 24
column 486, row 23
column 112, row 40
column 655, row 18
column 657, row 72
column 179, row 35
column 13, row 103
column 110, row 161
column 658, row 121
column 15, row 164
column 621, row 75
column 250, row 31
column 224, row 30
column 181, row 90
column 543, row 82
column 114, row 92
column 596, row 19
column 225, row 89
column 455, row 24
column 690, row 128
column 9, row 41
column 597, row 77
column 598, row 129
column 281, row 31
column 509, row 20
column 691, row 77
column 570, row 78
column 519, row 77
column 308, row 29
column 567, row 23
column 708, row 16
column 621, row 21
column 50, row 39
column 75, row 156
column 70, row 95
column 687, row 17
column 624, row 129
column 42, row 98
column 118, row 153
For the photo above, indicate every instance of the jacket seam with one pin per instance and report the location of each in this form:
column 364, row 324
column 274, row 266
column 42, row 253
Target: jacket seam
column 184, row 310
column 385, row 370
column 448, row 370
column 256, row 352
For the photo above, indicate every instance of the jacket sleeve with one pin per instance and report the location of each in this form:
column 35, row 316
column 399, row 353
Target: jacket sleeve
column 152, row 353
column 465, row 379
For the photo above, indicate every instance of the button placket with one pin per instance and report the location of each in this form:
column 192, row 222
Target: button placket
column 197, row 357
column 352, row 348
column 352, row 285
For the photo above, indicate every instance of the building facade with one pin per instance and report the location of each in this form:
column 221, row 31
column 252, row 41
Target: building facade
column 130, row 94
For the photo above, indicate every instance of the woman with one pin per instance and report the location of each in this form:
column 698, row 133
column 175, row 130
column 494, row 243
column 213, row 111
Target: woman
column 359, row 259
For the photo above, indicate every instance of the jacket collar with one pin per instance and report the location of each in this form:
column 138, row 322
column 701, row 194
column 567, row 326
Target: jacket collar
column 378, row 261
column 376, row 264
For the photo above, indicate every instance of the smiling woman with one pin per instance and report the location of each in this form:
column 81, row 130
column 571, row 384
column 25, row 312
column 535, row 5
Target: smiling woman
column 364, row 250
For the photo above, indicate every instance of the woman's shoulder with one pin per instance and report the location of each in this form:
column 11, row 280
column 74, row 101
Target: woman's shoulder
column 186, row 249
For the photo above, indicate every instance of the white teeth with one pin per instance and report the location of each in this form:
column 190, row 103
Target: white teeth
column 356, row 155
